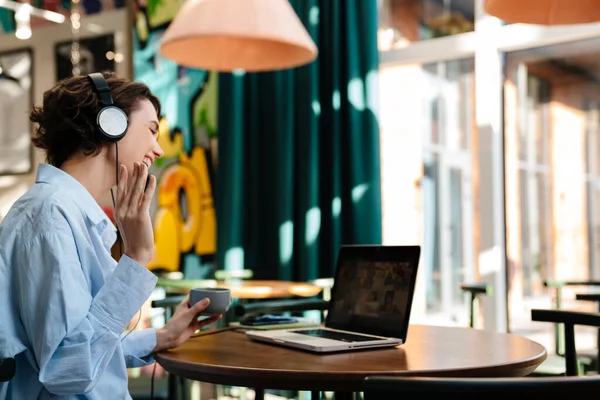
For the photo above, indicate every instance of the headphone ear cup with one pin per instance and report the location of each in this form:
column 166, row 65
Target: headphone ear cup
column 112, row 123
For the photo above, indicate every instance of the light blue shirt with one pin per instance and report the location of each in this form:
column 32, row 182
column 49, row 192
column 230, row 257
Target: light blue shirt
column 64, row 301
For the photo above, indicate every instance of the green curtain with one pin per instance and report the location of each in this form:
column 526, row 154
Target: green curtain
column 298, row 159
column 7, row 21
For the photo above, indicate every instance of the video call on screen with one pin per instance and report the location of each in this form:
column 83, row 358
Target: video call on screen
column 372, row 294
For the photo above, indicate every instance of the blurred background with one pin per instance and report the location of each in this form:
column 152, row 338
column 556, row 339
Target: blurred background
column 423, row 122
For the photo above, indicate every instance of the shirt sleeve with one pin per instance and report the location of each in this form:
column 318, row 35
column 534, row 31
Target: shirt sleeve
column 138, row 346
column 72, row 335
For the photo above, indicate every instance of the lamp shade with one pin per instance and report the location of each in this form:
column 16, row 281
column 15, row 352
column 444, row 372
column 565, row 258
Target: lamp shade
column 225, row 35
column 545, row 12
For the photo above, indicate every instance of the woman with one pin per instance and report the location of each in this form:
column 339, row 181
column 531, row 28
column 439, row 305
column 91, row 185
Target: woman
column 64, row 301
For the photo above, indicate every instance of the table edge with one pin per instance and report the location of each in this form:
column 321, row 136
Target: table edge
column 316, row 380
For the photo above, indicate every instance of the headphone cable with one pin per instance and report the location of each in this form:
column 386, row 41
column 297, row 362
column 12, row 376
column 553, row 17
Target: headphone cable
column 113, row 198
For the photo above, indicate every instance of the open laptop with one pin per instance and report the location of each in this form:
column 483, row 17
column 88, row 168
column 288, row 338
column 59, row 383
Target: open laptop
column 370, row 303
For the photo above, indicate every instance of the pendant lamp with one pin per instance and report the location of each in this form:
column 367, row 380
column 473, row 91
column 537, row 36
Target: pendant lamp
column 545, row 12
column 225, row 35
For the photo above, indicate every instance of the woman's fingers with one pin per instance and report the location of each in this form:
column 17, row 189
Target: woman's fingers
column 129, row 194
column 183, row 305
column 185, row 302
column 207, row 321
column 148, row 194
column 122, row 184
column 135, row 223
column 137, row 185
column 199, row 307
column 210, row 320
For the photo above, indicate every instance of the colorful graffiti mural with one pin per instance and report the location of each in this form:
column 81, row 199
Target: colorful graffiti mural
column 183, row 211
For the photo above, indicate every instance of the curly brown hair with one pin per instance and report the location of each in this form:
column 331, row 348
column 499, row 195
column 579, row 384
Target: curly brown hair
column 67, row 119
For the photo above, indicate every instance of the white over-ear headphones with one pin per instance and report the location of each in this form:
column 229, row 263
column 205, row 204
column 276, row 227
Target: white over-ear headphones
column 112, row 122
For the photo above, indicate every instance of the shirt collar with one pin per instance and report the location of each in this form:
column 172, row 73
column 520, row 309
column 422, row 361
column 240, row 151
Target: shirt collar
column 54, row 176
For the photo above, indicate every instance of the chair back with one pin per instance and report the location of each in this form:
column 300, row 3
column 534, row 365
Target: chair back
column 377, row 388
column 8, row 367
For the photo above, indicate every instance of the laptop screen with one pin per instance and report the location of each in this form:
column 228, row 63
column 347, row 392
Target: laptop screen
column 373, row 289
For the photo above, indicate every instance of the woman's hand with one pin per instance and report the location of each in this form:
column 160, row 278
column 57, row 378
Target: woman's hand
column 183, row 324
column 133, row 213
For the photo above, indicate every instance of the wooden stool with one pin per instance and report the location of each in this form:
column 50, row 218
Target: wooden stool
column 475, row 289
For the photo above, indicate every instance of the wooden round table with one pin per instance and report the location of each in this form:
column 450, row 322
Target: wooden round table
column 230, row 358
column 247, row 288
column 257, row 289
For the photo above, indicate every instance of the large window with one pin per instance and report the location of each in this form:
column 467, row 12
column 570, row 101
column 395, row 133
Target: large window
column 592, row 118
column 427, row 161
column 447, row 186
column 552, row 149
column 534, row 181
column 490, row 143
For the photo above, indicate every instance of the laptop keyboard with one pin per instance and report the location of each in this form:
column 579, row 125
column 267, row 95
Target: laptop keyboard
column 343, row 337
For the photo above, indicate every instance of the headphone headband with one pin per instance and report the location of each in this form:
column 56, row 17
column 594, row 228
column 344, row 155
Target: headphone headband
column 102, row 88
